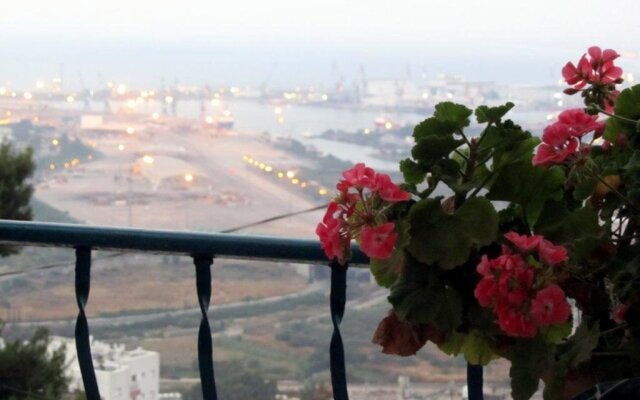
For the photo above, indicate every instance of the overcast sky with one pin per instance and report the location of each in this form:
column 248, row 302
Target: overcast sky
column 377, row 32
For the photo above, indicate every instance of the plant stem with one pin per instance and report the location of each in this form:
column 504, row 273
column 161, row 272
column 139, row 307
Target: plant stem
column 483, row 134
column 614, row 329
column 484, row 182
column 600, row 110
column 465, row 138
column 458, row 152
column 614, row 190
column 609, row 353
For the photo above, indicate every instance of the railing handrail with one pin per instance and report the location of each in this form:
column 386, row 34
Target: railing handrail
column 164, row 241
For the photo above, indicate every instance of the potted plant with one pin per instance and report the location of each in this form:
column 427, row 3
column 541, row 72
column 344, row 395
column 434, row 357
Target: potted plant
column 531, row 255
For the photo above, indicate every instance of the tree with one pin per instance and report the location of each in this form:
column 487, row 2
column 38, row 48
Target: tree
column 15, row 190
column 28, row 371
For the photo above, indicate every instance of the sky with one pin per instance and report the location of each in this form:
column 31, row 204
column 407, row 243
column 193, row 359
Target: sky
column 288, row 41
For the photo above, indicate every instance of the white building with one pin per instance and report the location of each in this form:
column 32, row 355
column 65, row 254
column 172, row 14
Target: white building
column 121, row 374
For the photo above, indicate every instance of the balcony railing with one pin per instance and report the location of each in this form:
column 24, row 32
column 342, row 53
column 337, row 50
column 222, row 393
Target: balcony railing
column 203, row 248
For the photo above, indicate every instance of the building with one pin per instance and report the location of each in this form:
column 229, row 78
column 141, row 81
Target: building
column 121, row 374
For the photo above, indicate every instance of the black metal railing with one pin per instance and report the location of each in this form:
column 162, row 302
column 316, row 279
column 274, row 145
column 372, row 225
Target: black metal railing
column 203, row 248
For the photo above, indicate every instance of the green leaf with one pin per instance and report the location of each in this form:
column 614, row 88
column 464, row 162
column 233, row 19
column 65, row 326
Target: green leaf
column 575, row 225
column 627, row 106
column 528, row 186
column 419, row 297
column 492, row 114
column 447, row 239
column 452, row 345
column 433, row 148
column 437, row 305
column 575, row 351
column 556, row 333
column 528, row 358
column 433, row 127
column 477, row 349
column 412, row 172
column 628, row 103
column 452, row 112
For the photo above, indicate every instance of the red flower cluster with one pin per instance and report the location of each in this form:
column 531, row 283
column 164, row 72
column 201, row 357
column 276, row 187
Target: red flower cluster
column 358, row 212
column 597, row 69
column 523, row 296
column 561, row 139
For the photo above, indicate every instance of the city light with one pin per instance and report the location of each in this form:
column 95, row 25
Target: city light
column 367, row 131
column 168, row 99
column 39, row 84
column 208, row 120
column 70, row 99
column 52, row 166
column 121, row 147
column 215, row 102
column 295, row 181
column 388, row 125
column 3, row 91
column 147, row 159
column 277, row 110
column 131, row 130
column 131, row 103
column 280, row 175
column 27, row 96
column 121, row 90
column 55, row 142
column 188, row 178
column 325, row 97
column 290, row 174
column 155, row 116
column 322, row 191
column 268, row 169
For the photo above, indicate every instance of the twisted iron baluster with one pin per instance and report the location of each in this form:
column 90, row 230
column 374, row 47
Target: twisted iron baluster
column 205, row 345
column 337, row 299
column 83, row 345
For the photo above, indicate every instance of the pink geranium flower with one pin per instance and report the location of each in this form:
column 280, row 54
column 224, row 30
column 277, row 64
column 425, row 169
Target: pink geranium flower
column 486, row 291
column 550, row 306
column 389, row 191
column 558, row 143
column 524, row 243
column 552, row 254
column 358, row 177
column 333, row 239
column 597, row 68
column 579, row 122
column 516, row 323
column 378, row 242
column 619, row 313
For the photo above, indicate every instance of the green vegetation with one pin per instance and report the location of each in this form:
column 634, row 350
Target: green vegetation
column 15, row 192
column 28, row 372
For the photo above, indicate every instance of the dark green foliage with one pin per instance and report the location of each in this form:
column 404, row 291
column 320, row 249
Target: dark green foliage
column 28, row 372
column 15, row 189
